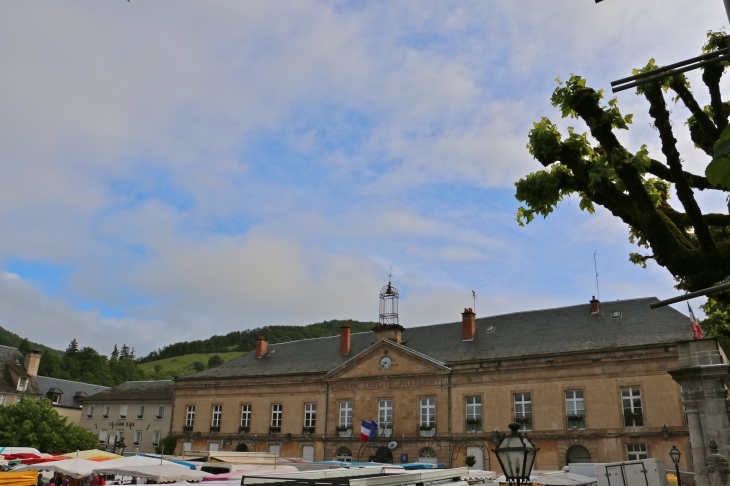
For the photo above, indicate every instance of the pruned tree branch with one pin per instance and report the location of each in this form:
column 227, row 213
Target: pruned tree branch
column 711, row 77
column 679, row 86
column 658, row 111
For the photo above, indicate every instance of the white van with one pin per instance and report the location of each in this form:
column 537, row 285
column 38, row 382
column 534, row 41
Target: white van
column 646, row 472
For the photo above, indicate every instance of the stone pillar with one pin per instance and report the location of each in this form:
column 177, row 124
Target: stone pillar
column 703, row 374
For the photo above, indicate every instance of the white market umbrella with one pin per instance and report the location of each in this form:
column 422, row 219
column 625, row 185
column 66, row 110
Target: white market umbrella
column 564, row 479
column 161, row 472
column 111, row 466
column 76, row 468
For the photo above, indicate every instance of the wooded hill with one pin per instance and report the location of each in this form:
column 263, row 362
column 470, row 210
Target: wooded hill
column 245, row 341
column 11, row 339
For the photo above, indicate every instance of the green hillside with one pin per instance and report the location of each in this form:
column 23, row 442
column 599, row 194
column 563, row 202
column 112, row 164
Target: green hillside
column 11, row 339
column 169, row 368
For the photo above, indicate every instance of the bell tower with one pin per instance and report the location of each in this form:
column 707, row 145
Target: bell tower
column 389, row 326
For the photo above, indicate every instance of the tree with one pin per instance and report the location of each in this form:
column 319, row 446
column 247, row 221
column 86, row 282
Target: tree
column 214, row 361
column 50, row 364
column 24, row 347
column 167, row 445
column 635, row 186
column 73, row 348
column 37, row 424
column 124, row 354
column 198, row 366
column 115, row 353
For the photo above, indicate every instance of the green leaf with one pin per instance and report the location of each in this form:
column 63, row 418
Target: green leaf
column 722, row 147
column 725, row 135
column 718, row 172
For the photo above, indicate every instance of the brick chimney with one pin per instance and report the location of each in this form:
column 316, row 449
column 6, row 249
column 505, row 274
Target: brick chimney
column 594, row 306
column 345, row 332
column 468, row 324
column 261, row 346
column 32, row 362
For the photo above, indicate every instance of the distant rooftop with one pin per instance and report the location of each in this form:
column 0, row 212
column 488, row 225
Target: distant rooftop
column 160, row 390
column 71, row 391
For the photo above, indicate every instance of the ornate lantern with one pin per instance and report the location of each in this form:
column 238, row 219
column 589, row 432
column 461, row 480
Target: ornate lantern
column 516, row 455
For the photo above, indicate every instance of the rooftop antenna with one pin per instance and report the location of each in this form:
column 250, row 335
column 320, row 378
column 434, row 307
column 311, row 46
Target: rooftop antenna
column 390, row 274
column 595, row 266
column 474, row 296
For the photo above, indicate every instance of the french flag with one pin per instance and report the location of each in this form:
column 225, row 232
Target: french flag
column 696, row 329
column 368, row 430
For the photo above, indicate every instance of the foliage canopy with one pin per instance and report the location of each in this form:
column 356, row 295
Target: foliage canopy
column 635, row 186
column 37, row 424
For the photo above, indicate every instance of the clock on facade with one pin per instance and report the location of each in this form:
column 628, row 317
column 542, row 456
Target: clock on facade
column 385, row 363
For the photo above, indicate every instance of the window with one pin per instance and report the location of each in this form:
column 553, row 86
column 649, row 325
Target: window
column 217, row 413
column 631, row 402
column 90, row 411
column 276, row 413
column 120, row 436
column 346, row 415
column 473, row 414
column 123, row 411
column 343, row 454
column 427, row 455
column 102, row 436
column 310, row 414
column 22, row 384
column 428, row 411
column 137, row 437
column 140, row 412
column 616, row 315
column 575, row 409
column 190, row 416
column 245, row 415
column 107, row 411
column 56, row 398
column 156, row 438
column 3, row 399
column 523, row 410
column 636, row 452
column 160, row 412
column 385, row 418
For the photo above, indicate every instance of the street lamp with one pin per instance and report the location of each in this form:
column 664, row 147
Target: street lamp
column 675, row 454
column 516, row 454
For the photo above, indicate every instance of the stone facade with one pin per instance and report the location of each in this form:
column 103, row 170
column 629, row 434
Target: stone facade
column 411, row 377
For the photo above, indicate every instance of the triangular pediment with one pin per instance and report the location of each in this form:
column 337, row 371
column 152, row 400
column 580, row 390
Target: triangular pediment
column 387, row 358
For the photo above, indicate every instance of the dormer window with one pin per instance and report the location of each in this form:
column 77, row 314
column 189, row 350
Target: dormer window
column 616, row 315
column 56, row 398
column 23, row 384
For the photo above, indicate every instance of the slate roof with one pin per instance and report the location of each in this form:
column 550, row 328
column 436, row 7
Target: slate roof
column 13, row 359
column 520, row 334
column 138, row 391
column 71, row 391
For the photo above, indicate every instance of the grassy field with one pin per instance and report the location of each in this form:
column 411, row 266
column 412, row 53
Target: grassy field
column 182, row 365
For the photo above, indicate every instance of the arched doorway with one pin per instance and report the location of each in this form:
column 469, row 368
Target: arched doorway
column 427, row 455
column 343, row 454
column 241, row 447
column 384, row 455
column 577, row 453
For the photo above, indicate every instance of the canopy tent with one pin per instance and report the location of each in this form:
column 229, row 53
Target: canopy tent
column 26, row 478
column 112, row 465
column 91, row 454
column 76, row 468
column 560, row 479
column 160, row 472
column 240, row 474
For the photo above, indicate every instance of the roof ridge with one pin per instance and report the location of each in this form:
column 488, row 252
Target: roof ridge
column 537, row 310
column 71, row 381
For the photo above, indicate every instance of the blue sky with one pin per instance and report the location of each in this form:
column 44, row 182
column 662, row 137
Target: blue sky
column 171, row 170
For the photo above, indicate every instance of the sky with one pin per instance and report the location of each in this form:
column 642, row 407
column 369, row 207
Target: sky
column 172, row 170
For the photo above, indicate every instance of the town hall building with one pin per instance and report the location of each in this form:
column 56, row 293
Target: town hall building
column 587, row 383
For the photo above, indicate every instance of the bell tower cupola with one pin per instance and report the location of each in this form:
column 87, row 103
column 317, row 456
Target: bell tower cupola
column 389, row 326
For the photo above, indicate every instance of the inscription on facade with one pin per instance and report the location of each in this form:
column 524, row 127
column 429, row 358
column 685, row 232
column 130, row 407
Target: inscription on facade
column 376, row 385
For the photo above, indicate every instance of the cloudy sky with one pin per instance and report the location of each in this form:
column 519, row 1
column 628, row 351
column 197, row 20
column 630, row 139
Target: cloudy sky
column 170, row 170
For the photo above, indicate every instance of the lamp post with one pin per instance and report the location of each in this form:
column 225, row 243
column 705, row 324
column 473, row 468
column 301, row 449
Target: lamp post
column 675, row 455
column 516, row 454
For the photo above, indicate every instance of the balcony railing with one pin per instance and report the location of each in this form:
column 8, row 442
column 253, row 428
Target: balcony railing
column 576, row 421
column 215, row 428
column 385, row 430
column 188, row 428
column 473, row 425
column 140, row 417
column 344, row 430
column 427, row 430
column 275, row 430
column 525, row 421
column 307, row 430
column 244, row 429
column 158, row 417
